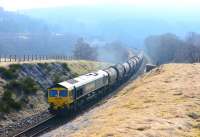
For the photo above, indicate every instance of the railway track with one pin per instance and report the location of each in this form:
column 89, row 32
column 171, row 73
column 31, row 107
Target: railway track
column 49, row 122
column 26, row 124
column 32, row 128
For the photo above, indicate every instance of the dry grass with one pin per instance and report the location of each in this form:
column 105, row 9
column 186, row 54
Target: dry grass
column 162, row 103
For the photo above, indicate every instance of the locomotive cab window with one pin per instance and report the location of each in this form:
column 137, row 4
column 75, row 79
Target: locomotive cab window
column 63, row 93
column 53, row 93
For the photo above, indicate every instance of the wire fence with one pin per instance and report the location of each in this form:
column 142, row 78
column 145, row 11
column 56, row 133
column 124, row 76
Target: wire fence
column 27, row 58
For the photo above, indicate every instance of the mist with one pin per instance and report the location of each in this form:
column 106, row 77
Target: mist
column 125, row 23
column 55, row 30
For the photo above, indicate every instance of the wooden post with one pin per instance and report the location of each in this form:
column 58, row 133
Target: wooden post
column 10, row 58
column 19, row 58
column 15, row 58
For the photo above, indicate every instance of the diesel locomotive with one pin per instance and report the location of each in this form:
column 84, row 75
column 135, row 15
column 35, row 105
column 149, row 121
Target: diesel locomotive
column 70, row 94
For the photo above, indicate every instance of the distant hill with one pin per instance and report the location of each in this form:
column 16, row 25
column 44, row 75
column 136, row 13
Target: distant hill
column 126, row 24
column 21, row 34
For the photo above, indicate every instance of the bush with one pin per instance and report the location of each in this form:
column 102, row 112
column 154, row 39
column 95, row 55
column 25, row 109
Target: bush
column 42, row 65
column 28, row 85
column 14, row 67
column 8, row 102
column 7, row 95
column 13, row 85
column 7, row 73
column 16, row 105
column 56, row 78
column 4, row 107
column 66, row 67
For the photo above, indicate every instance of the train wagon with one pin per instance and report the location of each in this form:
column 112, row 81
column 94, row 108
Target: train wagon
column 120, row 71
column 127, row 68
column 112, row 75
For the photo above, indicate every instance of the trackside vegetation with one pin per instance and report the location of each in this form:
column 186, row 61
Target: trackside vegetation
column 16, row 89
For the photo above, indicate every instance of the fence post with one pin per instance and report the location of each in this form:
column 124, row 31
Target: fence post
column 15, row 58
column 19, row 58
column 10, row 58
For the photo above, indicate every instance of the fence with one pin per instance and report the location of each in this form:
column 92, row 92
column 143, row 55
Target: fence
column 15, row 58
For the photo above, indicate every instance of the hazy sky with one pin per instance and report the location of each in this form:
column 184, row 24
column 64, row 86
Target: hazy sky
column 175, row 5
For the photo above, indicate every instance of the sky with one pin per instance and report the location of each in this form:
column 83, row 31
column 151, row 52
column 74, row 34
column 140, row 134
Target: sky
column 159, row 5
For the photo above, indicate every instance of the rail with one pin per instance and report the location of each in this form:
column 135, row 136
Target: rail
column 26, row 124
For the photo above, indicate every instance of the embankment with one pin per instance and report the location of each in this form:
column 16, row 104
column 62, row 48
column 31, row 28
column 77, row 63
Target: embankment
column 23, row 85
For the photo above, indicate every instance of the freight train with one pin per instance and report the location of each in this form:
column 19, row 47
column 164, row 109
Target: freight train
column 71, row 94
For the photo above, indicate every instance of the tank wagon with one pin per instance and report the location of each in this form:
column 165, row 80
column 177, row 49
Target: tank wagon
column 70, row 94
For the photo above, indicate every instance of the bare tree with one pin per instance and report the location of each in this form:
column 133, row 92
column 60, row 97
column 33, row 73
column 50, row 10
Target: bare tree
column 82, row 50
column 169, row 48
column 163, row 48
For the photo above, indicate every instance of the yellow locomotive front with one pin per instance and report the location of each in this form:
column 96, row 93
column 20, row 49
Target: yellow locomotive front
column 59, row 98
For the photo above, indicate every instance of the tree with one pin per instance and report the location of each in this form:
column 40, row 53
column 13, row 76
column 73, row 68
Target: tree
column 169, row 48
column 82, row 50
column 163, row 48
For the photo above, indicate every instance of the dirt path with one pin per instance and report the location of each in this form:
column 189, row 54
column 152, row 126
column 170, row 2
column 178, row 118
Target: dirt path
column 162, row 103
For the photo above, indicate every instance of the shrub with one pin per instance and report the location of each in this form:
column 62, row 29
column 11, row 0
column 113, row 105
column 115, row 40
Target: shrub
column 14, row 67
column 4, row 107
column 56, row 78
column 7, row 95
column 17, row 105
column 42, row 65
column 66, row 67
column 28, row 85
column 13, row 85
column 7, row 73
column 8, row 102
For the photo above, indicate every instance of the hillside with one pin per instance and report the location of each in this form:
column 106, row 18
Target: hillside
column 161, row 103
column 23, row 86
